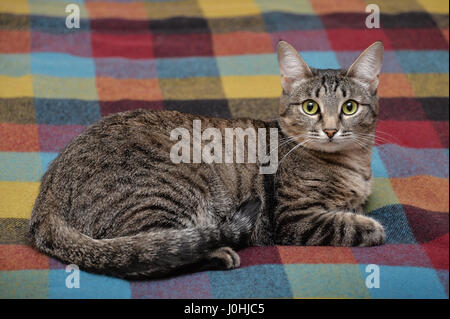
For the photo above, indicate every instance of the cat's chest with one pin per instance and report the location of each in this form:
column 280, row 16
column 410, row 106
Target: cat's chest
column 342, row 189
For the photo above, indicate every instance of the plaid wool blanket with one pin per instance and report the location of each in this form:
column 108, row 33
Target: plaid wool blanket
column 217, row 58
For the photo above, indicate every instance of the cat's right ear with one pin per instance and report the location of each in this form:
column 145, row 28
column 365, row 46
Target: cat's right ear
column 292, row 67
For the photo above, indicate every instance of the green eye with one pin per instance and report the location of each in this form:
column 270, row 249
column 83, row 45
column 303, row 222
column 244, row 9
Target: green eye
column 310, row 107
column 350, row 107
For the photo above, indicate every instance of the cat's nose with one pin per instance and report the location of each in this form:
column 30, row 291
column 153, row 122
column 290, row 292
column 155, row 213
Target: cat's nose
column 330, row 132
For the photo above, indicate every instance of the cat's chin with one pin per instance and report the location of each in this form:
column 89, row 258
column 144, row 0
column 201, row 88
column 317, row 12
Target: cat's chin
column 330, row 147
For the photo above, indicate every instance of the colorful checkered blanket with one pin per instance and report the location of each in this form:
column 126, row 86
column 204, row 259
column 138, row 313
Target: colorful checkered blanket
column 216, row 57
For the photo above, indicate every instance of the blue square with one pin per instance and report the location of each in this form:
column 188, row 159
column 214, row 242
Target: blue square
column 62, row 65
column 378, row 169
column 15, row 64
column 406, row 283
column 20, row 166
column 283, row 21
column 46, row 159
column 91, row 286
column 395, row 224
column 257, row 64
column 423, row 61
column 262, row 281
column 187, row 67
column 320, row 59
column 66, row 111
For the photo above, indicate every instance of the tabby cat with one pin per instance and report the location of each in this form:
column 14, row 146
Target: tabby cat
column 113, row 202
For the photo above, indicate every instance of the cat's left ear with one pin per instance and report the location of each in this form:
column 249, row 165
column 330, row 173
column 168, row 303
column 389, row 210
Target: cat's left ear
column 292, row 67
column 367, row 66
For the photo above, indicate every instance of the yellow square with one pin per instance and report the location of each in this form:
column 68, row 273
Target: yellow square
column 17, row 199
column 429, row 84
column 298, row 6
column 170, row 9
column 382, row 195
column 14, row 6
column 64, row 88
column 21, row 86
column 191, row 88
column 397, row 6
column 228, row 8
column 435, row 6
column 251, row 86
column 55, row 8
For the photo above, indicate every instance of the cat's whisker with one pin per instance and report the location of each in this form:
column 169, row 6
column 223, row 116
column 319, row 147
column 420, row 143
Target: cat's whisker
column 381, row 138
column 373, row 138
column 293, row 149
column 287, row 140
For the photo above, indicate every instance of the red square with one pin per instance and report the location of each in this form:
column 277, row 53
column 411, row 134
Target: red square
column 416, row 39
column 242, row 43
column 259, row 256
column 442, row 131
column 437, row 251
column 356, row 40
column 182, row 45
column 14, row 41
column 418, row 134
column 135, row 46
column 18, row 138
column 19, row 257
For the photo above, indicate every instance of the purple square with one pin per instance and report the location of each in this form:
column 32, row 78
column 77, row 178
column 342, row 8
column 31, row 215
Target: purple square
column 53, row 138
column 76, row 43
column 392, row 255
column 121, row 68
column 313, row 40
column 390, row 62
column 191, row 286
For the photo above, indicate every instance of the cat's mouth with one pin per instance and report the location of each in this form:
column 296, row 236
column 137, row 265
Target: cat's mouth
column 325, row 143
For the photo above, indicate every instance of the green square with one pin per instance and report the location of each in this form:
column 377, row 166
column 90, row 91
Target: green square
column 24, row 284
column 326, row 281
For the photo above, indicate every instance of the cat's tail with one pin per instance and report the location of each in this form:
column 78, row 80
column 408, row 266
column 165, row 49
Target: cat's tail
column 153, row 254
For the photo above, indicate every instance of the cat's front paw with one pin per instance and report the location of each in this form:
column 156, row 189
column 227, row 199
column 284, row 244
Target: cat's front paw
column 367, row 232
column 224, row 258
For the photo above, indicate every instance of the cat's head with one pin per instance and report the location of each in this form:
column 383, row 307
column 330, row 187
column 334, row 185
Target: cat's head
column 329, row 110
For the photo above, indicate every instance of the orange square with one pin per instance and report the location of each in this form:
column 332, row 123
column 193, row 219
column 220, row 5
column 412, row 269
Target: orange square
column 14, row 42
column 242, row 43
column 19, row 257
column 316, row 255
column 110, row 89
column 394, row 85
column 102, row 10
column 19, row 138
column 426, row 192
column 333, row 6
